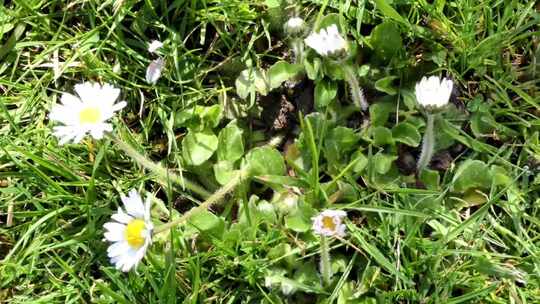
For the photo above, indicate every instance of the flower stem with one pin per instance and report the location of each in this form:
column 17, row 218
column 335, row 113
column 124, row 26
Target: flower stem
column 240, row 176
column 159, row 170
column 357, row 93
column 298, row 50
column 326, row 266
column 428, row 144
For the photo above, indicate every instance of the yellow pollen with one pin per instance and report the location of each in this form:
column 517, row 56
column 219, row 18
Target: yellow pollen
column 328, row 223
column 133, row 233
column 89, row 116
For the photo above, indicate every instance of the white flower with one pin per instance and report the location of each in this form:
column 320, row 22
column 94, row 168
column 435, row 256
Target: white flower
column 433, row 91
column 154, row 46
column 329, row 223
column 130, row 232
column 153, row 72
column 85, row 113
column 327, row 41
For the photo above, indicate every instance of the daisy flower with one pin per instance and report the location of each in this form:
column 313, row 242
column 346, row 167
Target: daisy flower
column 433, row 92
column 85, row 113
column 130, row 232
column 154, row 46
column 327, row 41
column 329, row 223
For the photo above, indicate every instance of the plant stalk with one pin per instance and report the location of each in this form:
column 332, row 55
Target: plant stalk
column 428, row 144
column 326, row 266
column 298, row 50
column 357, row 93
column 160, row 170
column 215, row 198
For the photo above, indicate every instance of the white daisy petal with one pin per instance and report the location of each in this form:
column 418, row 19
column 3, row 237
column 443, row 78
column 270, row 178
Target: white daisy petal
column 118, row 248
column 133, row 203
column 87, row 91
column 154, row 46
column 121, row 217
column 114, row 235
column 113, row 226
column 433, row 92
column 153, row 72
column 327, row 41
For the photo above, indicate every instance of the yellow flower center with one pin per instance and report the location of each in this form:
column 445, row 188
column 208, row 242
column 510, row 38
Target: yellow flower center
column 89, row 116
column 328, row 223
column 133, row 233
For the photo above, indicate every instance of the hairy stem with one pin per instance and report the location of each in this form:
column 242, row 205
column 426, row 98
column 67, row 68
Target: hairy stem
column 298, row 50
column 240, row 176
column 428, row 144
column 159, row 170
column 326, row 266
column 357, row 93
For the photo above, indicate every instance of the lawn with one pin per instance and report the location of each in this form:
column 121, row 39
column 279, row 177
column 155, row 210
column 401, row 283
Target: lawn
column 269, row 151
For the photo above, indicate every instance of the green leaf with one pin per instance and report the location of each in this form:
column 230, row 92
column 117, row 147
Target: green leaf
column 273, row 3
column 206, row 222
column 390, row 12
column 266, row 161
column 361, row 162
column 250, row 81
column 482, row 124
column 406, row 133
column 382, row 136
column 312, row 68
column 385, row 85
column 200, row 118
column 282, row 71
column 224, row 171
column 339, row 142
column 379, row 113
column 327, row 21
column 430, row 178
column 231, row 143
column 383, row 162
column 198, row 147
column 297, row 222
column 325, row 93
column 386, row 41
column 472, row 174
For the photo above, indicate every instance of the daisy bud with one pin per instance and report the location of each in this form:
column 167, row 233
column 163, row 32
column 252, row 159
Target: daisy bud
column 294, row 26
column 433, row 93
column 130, row 232
column 153, row 72
column 154, row 46
column 85, row 113
column 328, row 42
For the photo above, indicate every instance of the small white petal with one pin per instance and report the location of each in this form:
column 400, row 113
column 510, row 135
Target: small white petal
column 133, row 203
column 117, row 249
column 114, row 235
column 153, row 72
column 154, row 46
column 121, row 217
column 327, row 41
column 114, row 226
column 433, row 91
